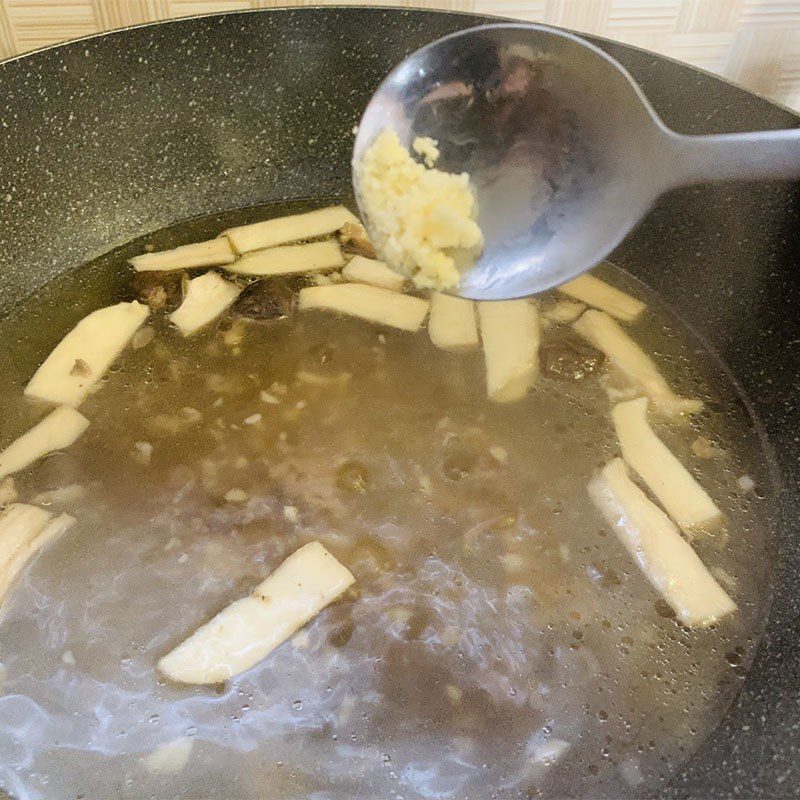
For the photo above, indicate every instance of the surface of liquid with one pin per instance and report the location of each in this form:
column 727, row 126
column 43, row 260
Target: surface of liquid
column 501, row 642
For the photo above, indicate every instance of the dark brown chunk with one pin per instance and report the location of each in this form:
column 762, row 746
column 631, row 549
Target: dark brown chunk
column 159, row 290
column 269, row 299
column 353, row 238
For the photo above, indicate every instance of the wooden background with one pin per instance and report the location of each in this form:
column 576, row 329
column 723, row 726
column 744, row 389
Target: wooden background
column 753, row 42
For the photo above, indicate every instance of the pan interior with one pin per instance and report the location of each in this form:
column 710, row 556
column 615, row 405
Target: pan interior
column 501, row 643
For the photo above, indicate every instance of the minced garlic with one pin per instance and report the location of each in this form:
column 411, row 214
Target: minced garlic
column 422, row 220
column 427, row 148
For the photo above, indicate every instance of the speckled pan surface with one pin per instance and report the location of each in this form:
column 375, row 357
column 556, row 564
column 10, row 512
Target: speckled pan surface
column 106, row 139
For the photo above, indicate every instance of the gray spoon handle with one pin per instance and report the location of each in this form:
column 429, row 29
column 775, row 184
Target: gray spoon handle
column 735, row 156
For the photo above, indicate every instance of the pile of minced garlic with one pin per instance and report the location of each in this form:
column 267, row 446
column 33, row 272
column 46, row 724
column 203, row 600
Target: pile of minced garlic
column 421, row 220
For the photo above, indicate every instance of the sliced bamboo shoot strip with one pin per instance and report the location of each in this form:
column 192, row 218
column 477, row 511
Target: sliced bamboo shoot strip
column 82, row 357
column 290, row 259
column 597, row 293
column 20, row 524
column 673, row 485
column 665, row 557
column 249, row 629
column 207, row 297
column 189, row 256
column 289, row 229
column 367, row 302
column 606, row 335
column 26, row 552
column 452, row 324
column 375, row 273
column 510, row 333
column 59, row 429
column 564, row 311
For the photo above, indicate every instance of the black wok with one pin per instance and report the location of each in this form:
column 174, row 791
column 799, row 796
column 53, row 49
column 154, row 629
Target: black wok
column 108, row 138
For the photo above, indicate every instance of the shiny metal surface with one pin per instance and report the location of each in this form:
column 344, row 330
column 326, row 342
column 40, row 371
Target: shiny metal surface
column 564, row 150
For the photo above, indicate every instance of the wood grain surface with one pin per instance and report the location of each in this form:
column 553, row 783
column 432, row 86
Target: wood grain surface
column 753, row 42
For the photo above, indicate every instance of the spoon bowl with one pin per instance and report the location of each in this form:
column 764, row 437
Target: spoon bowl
column 564, row 152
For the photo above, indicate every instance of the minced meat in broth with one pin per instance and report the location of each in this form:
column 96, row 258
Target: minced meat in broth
column 499, row 641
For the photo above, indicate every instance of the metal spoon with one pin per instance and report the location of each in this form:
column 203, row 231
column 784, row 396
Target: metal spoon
column 564, row 151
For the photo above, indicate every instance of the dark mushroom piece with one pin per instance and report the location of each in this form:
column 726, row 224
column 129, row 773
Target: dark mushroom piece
column 269, row 299
column 353, row 238
column 159, row 290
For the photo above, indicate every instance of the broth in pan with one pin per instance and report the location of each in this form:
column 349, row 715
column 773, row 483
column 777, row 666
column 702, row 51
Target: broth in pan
column 511, row 630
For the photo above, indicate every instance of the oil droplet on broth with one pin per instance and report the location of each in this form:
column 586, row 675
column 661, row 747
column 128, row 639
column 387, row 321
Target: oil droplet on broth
column 499, row 638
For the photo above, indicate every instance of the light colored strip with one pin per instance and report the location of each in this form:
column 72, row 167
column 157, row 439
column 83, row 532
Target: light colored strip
column 207, row 297
column 249, row 629
column 453, row 325
column 367, row 302
column 59, row 429
column 665, row 557
column 189, row 256
column 291, row 259
column 510, row 334
column 368, row 270
column 84, row 355
column 606, row 335
column 683, row 498
column 597, row 293
column 293, row 228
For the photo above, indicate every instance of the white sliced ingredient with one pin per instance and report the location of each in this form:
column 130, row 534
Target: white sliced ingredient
column 8, row 491
column 510, row 333
column 206, row 298
column 606, row 335
column 59, row 429
column 289, row 229
column 367, row 302
column 189, row 256
column 665, row 557
column 290, row 259
column 373, row 272
column 171, row 757
column 249, row 629
column 673, row 485
column 597, row 293
column 13, row 564
column 452, row 324
column 20, row 524
column 82, row 357
column 564, row 311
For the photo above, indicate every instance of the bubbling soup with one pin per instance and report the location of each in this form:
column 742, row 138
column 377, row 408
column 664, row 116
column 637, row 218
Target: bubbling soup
column 555, row 550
